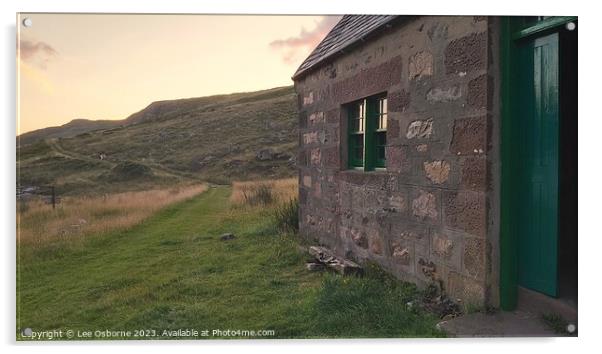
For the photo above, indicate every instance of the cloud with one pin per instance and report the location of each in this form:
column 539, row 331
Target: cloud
column 36, row 53
column 297, row 47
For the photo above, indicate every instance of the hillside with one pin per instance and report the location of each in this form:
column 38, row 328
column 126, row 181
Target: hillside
column 73, row 128
column 217, row 138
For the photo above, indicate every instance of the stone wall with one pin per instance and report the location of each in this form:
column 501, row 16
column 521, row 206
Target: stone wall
column 425, row 218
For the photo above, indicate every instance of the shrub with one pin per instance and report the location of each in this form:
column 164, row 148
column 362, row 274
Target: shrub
column 260, row 194
column 287, row 216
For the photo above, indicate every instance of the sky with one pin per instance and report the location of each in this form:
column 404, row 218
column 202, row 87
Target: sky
column 110, row 66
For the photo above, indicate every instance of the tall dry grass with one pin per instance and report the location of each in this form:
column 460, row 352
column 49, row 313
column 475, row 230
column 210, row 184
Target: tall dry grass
column 74, row 217
column 264, row 192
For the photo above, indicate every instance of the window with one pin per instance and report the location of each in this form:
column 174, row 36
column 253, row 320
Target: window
column 356, row 134
column 368, row 133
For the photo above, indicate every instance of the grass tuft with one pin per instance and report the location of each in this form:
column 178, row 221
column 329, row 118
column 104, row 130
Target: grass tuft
column 287, row 216
column 556, row 322
column 263, row 193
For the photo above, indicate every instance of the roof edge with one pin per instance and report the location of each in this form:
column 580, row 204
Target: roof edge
column 301, row 73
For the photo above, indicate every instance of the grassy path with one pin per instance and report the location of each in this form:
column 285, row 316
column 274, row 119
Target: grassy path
column 173, row 272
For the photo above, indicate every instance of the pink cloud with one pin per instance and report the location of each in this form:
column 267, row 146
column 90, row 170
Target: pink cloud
column 297, row 47
column 38, row 53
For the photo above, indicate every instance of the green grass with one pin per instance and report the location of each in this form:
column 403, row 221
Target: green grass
column 556, row 323
column 173, row 272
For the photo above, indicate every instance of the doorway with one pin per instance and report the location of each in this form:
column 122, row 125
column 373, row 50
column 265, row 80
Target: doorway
column 538, row 243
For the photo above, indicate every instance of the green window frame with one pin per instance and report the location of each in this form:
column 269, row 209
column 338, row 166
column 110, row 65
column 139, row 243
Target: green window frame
column 367, row 133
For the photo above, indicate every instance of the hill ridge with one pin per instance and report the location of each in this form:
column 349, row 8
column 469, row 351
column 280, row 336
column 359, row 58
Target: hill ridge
column 216, row 138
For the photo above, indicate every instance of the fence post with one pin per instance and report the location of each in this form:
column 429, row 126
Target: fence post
column 53, row 197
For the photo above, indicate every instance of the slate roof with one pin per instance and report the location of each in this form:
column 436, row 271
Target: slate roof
column 349, row 30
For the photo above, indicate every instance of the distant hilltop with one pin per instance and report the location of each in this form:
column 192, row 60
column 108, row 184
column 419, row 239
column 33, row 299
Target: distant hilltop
column 218, row 138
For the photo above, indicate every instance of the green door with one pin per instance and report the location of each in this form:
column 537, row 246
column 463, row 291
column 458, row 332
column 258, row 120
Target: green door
column 536, row 95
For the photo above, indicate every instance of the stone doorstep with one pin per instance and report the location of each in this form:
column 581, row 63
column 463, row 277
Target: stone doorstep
column 525, row 321
column 340, row 265
column 532, row 301
column 502, row 324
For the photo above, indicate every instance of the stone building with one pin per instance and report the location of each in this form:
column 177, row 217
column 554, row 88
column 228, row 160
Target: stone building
column 431, row 146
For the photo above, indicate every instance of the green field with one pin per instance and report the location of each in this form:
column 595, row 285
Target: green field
column 173, row 272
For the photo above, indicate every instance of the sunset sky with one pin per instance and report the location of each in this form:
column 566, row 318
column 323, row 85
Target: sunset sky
column 109, row 66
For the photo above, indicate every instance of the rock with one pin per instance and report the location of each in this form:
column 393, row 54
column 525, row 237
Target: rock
column 444, row 95
column 425, row 206
column 227, row 237
column 265, row 154
column 420, row 129
column 343, row 266
column 437, row 171
column 314, row 266
column 282, row 156
column 421, row 64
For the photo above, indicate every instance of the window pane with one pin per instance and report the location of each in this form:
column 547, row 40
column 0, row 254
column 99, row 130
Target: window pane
column 382, row 113
column 361, row 110
column 357, row 117
column 381, row 143
column 357, row 147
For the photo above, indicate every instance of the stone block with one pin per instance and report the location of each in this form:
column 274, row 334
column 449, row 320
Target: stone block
column 421, row 129
column 444, row 95
column 375, row 242
column 307, row 181
column 302, row 160
column 425, row 206
column 330, row 157
column 466, row 54
column 359, row 238
column 446, row 248
column 426, row 269
column 480, row 92
column 316, row 118
column 398, row 101
column 310, row 138
column 474, row 173
column 437, row 171
column 401, row 252
column 396, row 158
column 332, row 116
column 420, row 65
column 302, row 196
column 465, row 290
column 392, row 129
column 469, row 136
column 474, row 257
column 302, row 119
column 367, row 82
column 308, row 99
column 397, row 203
column 315, row 157
column 465, row 210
